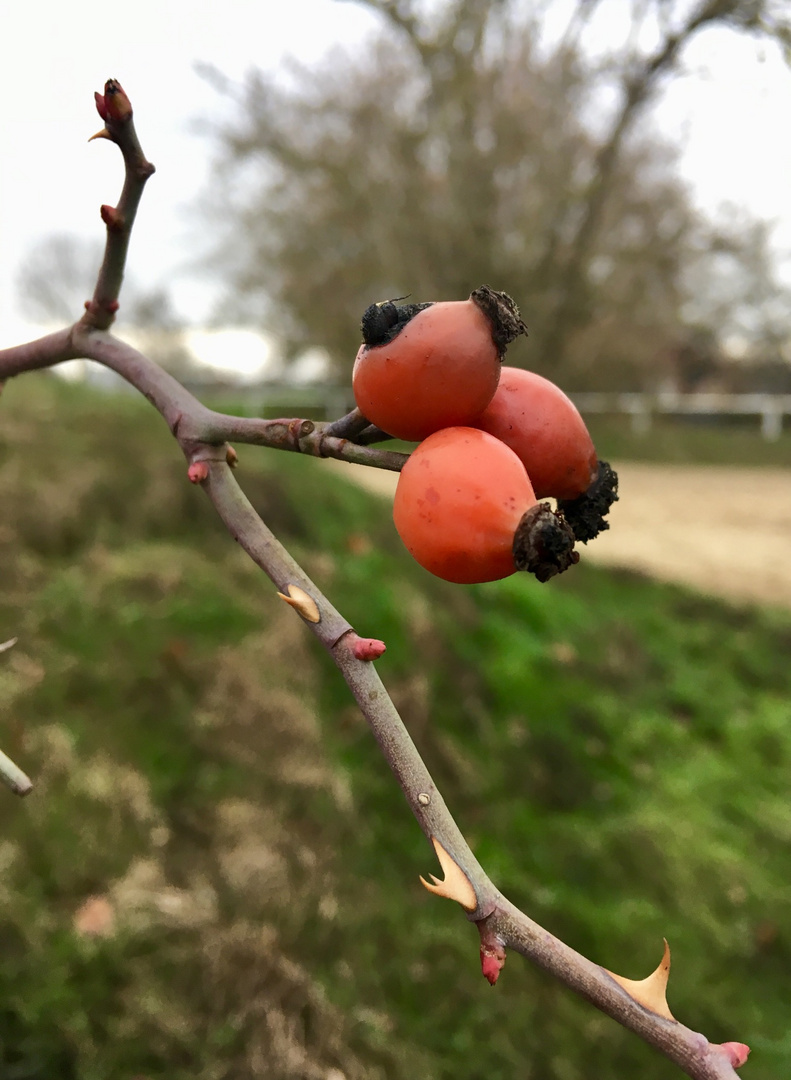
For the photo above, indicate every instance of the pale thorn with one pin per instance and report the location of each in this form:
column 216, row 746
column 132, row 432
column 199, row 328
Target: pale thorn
column 651, row 993
column 303, row 602
column 8, row 644
column 456, row 885
column 103, row 134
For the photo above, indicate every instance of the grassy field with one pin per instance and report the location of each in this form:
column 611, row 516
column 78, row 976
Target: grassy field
column 617, row 750
column 705, row 441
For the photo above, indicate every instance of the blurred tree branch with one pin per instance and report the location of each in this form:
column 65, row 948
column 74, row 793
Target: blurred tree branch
column 58, row 273
column 639, row 81
column 466, row 145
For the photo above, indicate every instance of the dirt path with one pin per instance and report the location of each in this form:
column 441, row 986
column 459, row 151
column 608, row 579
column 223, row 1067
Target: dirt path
column 725, row 531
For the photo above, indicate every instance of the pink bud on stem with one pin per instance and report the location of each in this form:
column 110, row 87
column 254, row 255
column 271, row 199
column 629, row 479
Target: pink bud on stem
column 112, row 219
column 366, row 648
column 198, row 472
column 492, row 961
column 113, row 104
column 737, row 1053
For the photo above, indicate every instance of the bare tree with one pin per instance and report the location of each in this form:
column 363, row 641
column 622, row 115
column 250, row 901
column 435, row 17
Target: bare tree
column 57, row 276
column 461, row 147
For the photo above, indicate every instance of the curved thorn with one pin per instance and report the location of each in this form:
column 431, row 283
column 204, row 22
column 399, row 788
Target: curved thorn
column 456, row 885
column 651, row 993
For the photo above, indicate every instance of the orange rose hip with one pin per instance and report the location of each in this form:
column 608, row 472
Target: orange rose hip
column 465, row 509
column 546, row 432
column 424, row 367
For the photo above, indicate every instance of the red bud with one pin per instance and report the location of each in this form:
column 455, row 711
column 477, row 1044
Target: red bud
column 112, row 219
column 198, row 472
column 737, row 1053
column 492, row 962
column 368, row 648
column 113, row 105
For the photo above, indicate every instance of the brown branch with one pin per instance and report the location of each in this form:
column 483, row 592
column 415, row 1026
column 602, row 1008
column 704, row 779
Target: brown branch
column 115, row 109
column 190, row 422
column 34, row 355
column 10, row 773
column 499, row 919
column 349, row 426
column 202, row 433
column 13, row 777
column 570, row 310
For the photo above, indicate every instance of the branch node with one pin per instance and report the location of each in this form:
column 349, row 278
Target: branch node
column 231, row 457
column 456, row 885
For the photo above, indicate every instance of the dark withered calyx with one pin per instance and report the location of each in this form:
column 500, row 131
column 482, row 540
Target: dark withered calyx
column 503, row 314
column 544, row 543
column 586, row 513
column 383, row 321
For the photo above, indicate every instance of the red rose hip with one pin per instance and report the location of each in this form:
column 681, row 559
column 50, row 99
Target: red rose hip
column 465, row 509
column 427, row 367
column 546, row 432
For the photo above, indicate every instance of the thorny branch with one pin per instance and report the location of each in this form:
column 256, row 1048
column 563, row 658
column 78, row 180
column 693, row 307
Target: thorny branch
column 202, row 435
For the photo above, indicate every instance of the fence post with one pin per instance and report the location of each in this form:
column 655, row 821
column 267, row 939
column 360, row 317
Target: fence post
column 771, row 422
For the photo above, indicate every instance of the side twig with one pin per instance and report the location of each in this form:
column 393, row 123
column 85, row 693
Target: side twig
column 10, row 773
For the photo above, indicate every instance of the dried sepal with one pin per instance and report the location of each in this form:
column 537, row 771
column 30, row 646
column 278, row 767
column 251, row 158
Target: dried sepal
column 302, row 602
column 456, row 885
column 651, row 993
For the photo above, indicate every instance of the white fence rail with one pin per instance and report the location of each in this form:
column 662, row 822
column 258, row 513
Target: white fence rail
column 333, row 401
column 771, row 408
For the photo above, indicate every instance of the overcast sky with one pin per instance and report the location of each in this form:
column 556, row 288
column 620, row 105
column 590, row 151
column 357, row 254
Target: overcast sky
column 731, row 112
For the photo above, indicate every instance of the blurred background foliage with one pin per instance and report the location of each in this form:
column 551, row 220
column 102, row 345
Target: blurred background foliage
column 466, row 144
column 216, row 876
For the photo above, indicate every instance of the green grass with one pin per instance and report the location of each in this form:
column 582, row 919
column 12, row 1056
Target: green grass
column 617, row 750
column 685, row 440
